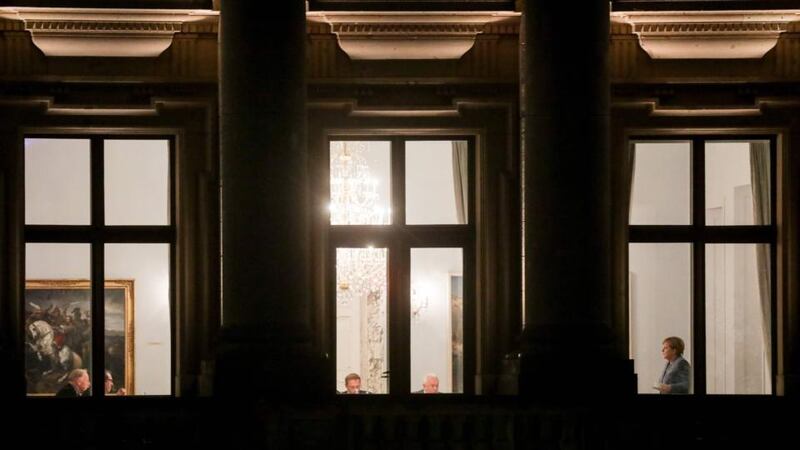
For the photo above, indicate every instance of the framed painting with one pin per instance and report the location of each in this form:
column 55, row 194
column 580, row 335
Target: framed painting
column 58, row 332
column 456, row 291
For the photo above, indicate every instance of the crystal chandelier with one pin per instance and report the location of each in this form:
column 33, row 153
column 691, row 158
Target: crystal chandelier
column 354, row 191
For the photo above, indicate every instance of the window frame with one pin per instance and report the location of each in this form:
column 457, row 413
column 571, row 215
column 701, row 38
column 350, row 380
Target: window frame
column 97, row 234
column 399, row 238
column 697, row 234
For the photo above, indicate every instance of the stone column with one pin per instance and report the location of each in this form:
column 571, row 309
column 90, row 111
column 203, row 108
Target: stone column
column 568, row 342
column 265, row 347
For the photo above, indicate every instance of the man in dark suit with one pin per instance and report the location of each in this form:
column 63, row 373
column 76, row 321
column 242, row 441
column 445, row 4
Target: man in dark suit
column 352, row 384
column 78, row 385
column 676, row 375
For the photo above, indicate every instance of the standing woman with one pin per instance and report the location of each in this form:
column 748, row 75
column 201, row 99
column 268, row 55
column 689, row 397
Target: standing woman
column 675, row 377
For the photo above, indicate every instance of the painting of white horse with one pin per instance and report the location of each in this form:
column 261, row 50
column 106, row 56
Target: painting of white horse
column 59, row 330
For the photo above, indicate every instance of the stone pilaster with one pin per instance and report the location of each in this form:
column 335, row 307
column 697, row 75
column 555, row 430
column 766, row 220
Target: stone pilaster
column 568, row 343
column 266, row 346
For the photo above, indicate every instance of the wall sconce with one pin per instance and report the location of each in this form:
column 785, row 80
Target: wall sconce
column 419, row 300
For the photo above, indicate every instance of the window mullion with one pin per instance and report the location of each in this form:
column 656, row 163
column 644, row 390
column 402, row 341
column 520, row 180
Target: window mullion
column 698, row 265
column 98, row 263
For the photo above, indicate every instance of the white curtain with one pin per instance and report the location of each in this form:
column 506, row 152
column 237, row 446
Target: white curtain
column 760, row 182
column 461, row 179
column 631, row 174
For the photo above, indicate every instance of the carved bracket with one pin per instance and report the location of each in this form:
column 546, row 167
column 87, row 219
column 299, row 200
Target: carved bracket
column 708, row 34
column 137, row 33
column 408, row 35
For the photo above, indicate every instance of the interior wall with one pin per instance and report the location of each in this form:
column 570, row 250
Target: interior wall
column 660, row 306
column 148, row 266
column 57, row 181
column 431, row 328
column 735, row 345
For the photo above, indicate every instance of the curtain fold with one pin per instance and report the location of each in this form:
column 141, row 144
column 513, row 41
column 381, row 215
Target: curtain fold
column 629, row 184
column 760, row 184
column 461, row 179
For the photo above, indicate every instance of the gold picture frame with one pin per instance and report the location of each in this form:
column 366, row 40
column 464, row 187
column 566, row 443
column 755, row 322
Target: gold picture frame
column 58, row 332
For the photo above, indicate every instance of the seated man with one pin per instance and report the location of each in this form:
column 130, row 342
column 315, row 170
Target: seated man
column 77, row 385
column 109, row 386
column 352, row 384
column 430, row 384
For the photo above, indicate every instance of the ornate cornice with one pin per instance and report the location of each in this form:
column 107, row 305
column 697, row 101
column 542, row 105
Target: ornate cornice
column 408, row 35
column 707, row 34
column 106, row 32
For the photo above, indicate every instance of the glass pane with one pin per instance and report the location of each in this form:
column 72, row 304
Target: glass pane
column 361, row 334
column 737, row 183
column 437, row 180
column 137, row 319
column 137, row 182
column 738, row 326
column 57, row 182
column 660, row 293
column 360, row 183
column 437, row 320
column 58, row 322
column 661, row 191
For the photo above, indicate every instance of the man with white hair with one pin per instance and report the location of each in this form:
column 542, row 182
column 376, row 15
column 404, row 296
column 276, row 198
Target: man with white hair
column 430, row 384
column 77, row 384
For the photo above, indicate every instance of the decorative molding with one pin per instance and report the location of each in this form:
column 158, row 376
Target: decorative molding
column 353, row 109
column 408, row 35
column 454, row 109
column 137, row 33
column 654, row 107
column 707, row 34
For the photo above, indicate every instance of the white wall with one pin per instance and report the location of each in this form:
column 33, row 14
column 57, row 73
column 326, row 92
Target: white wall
column 660, row 292
column 430, row 194
column 147, row 265
column 57, row 181
column 137, row 182
column 735, row 345
column 431, row 330
column 661, row 191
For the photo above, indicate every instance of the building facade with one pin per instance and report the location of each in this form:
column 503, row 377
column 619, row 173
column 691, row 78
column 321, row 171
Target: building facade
column 231, row 206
